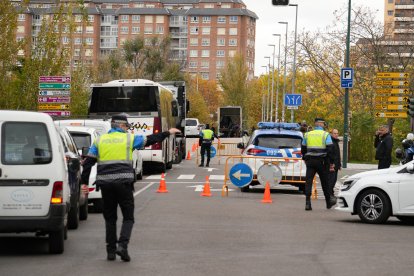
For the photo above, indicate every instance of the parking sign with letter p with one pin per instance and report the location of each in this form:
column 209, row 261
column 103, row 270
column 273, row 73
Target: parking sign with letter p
column 347, row 78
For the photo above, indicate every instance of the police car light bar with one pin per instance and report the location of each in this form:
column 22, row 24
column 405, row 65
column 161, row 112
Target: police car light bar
column 272, row 125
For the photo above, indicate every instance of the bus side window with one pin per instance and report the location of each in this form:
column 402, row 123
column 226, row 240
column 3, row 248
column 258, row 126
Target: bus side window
column 174, row 108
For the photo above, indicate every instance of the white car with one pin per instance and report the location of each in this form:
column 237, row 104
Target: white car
column 192, row 127
column 377, row 195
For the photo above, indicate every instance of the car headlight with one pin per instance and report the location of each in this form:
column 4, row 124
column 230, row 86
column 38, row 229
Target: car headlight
column 348, row 184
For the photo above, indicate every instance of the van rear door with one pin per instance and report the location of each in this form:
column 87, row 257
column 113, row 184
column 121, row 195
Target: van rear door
column 27, row 168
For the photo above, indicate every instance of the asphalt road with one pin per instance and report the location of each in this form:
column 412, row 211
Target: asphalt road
column 182, row 233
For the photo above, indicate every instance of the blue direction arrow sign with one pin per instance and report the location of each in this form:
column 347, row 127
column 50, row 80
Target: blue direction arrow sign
column 241, row 175
column 293, row 99
column 212, row 152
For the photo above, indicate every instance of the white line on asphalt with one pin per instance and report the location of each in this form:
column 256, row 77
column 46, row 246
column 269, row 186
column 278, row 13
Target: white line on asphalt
column 186, row 182
column 186, row 176
column 143, row 189
column 155, row 176
column 216, row 177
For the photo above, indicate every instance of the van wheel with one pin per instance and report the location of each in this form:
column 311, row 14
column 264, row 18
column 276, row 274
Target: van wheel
column 56, row 241
column 98, row 206
column 73, row 217
column 83, row 211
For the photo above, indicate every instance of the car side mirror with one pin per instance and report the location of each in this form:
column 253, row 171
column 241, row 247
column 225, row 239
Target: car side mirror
column 410, row 168
column 240, row 145
column 74, row 164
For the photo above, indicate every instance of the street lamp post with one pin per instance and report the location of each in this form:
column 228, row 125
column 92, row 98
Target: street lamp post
column 294, row 60
column 264, row 106
column 284, row 78
column 268, row 92
column 273, row 81
column 346, row 107
column 277, row 83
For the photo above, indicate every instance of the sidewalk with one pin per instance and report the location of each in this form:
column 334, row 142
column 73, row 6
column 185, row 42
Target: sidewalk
column 356, row 166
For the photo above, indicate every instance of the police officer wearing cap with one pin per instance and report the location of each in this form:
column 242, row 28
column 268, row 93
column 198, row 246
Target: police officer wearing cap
column 317, row 153
column 115, row 178
column 206, row 138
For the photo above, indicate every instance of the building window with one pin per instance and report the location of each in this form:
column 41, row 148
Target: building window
column 150, row 6
column 193, row 41
column 220, row 53
column 20, row 29
column 221, row 42
column 124, row 30
column 232, row 53
column 89, row 41
column 221, row 19
column 209, row 6
column 91, row 18
column 76, row 52
column 148, row 29
column 136, row 18
column 160, row 29
column 148, row 19
column 233, row 42
column 135, row 30
column 22, row 17
column 89, row 29
column 194, row 30
column 88, row 52
column 206, row 19
column 234, row 19
column 390, row 1
column 205, row 64
column 65, row 40
column 124, row 18
column 205, row 53
column 205, row 75
column 205, row 42
column 221, row 31
column 19, row 38
column 78, row 29
column 159, row 19
column 194, row 19
column 225, row 6
column 193, row 53
column 192, row 64
column 78, row 40
column 206, row 30
column 390, row 13
column 78, row 18
column 220, row 64
column 233, row 31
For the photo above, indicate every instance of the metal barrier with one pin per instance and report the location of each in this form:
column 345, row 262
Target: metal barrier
column 223, row 149
column 291, row 174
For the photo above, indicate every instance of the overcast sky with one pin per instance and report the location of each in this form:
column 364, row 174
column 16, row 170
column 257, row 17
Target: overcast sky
column 312, row 15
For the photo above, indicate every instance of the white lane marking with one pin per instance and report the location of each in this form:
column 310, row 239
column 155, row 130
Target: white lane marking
column 200, row 188
column 143, row 189
column 216, row 177
column 186, row 176
column 154, row 176
column 210, row 169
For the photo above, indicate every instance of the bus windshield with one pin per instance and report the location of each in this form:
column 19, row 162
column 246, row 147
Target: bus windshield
column 124, row 99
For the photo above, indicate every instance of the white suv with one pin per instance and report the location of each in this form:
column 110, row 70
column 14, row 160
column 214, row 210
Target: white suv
column 34, row 186
column 192, row 127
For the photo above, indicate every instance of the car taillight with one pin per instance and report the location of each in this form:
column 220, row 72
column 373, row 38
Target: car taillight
column 157, row 129
column 254, row 151
column 57, row 193
column 91, row 189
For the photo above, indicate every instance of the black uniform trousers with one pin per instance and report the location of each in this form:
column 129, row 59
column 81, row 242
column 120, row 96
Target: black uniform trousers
column 332, row 178
column 205, row 147
column 114, row 194
column 318, row 165
column 384, row 163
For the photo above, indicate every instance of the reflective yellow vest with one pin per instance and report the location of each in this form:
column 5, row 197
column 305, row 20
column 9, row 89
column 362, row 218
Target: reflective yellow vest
column 115, row 146
column 316, row 142
column 207, row 134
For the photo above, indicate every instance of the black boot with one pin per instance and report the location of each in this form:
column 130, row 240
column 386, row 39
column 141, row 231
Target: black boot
column 123, row 253
column 207, row 165
column 331, row 202
column 308, row 205
column 201, row 165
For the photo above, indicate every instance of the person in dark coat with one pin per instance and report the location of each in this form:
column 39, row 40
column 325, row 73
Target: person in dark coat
column 383, row 144
column 336, row 153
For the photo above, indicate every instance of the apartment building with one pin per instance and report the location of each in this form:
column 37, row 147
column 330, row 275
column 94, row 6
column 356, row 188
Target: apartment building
column 204, row 33
column 399, row 20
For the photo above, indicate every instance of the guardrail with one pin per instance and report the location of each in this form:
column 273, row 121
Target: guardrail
column 223, row 149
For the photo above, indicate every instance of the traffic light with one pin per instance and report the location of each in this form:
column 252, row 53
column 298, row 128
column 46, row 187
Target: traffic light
column 410, row 110
column 280, row 2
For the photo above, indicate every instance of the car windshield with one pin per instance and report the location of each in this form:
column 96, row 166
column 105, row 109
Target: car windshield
column 278, row 141
column 191, row 123
column 82, row 140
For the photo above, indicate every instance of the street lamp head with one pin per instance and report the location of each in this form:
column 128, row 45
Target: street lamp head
column 295, row 5
column 267, row 57
column 283, row 22
column 272, row 45
column 276, row 34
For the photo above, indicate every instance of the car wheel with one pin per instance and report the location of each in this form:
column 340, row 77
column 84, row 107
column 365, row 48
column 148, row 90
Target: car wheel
column 83, row 211
column 56, row 241
column 373, row 206
column 405, row 219
column 245, row 189
column 98, row 206
column 73, row 217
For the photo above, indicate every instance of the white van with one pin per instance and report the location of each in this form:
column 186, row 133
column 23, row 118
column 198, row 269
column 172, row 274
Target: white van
column 34, row 187
column 192, row 127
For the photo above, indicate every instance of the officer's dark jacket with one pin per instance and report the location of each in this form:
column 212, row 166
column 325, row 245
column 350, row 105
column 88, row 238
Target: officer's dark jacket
column 384, row 147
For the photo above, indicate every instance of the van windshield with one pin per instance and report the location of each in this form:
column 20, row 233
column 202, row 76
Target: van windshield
column 124, row 99
column 278, row 142
column 25, row 144
column 191, row 122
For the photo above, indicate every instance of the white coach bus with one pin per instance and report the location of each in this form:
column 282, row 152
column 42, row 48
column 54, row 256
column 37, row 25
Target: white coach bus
column 151, row 108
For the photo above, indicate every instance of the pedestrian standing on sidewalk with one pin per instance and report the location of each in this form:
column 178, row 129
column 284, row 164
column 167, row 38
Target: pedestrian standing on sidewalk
column 383, row 144
column 336, row 154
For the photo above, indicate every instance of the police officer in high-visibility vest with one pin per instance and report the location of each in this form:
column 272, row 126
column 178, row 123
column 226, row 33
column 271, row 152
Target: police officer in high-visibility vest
column 317, row 153
column 115, row 178
column 206, row 138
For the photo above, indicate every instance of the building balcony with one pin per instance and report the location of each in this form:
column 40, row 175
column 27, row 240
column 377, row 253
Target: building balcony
column 402, row 18
column 404, row 6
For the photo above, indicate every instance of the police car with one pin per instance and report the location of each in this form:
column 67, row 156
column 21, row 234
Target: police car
column 279, row 143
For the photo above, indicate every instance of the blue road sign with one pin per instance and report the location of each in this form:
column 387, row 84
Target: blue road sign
column 212, row 152
column 347, row 78
column 293, row 99
column 241, row 175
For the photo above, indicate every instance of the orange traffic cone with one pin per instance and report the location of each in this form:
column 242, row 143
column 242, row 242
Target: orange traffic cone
column 193, row 148
column 206, row 189
column 163, row 187
column 266, row 196
column 188, row 155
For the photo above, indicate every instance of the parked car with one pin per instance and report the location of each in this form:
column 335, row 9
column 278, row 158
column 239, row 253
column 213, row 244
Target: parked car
column 276, row 140
column 78, row 198
column 100, row 126
column 377, row 195
column 192, row 127
column 34, row 185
